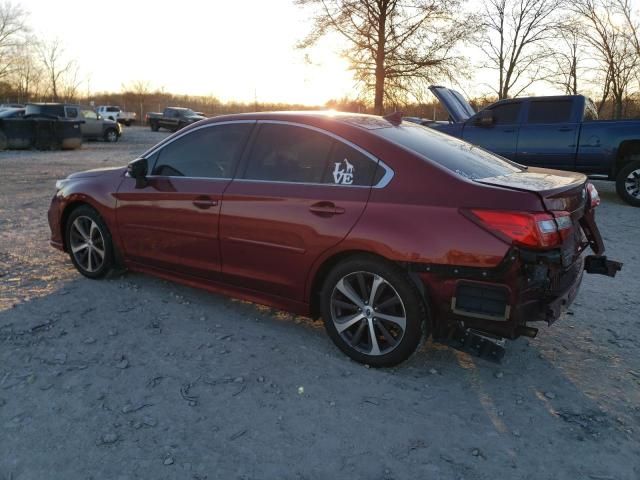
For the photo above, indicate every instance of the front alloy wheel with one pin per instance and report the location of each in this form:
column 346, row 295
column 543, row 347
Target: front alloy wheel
column 88, row 242
column 373, row 311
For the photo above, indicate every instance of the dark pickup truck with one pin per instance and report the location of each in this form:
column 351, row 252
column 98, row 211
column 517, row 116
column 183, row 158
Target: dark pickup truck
column 173, row 118
column 560, row 132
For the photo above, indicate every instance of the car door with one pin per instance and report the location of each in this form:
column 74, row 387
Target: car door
column 549, row 136
column 299, row 193
column 92, row 127
column 501, row 136
column 172, row 223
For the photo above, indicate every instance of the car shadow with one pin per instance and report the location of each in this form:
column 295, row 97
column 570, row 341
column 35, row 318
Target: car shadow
column 208, row 373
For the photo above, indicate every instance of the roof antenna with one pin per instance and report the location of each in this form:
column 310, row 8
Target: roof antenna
column 394, row 118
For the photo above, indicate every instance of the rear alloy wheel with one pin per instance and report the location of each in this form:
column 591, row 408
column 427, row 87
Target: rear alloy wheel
column 89, row 243
column 628, row 183
column 373, row 312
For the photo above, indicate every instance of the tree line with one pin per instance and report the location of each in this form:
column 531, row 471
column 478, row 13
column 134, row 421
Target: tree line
column 395, row 48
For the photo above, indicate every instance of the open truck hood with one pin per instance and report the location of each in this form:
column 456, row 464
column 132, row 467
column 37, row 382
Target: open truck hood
column 458, row 108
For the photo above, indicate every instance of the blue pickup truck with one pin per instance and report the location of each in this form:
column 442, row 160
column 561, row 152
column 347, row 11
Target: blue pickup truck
column 560, row 132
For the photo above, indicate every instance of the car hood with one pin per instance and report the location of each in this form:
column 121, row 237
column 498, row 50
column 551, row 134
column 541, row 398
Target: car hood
column 455, row 104
column 114, row 171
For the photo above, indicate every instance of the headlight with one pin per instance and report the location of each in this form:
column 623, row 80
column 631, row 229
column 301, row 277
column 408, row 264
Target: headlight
column 60, row 184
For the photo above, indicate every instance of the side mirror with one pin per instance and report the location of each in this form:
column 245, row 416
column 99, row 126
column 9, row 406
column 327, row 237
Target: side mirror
column 138, row 170
column 485, row 118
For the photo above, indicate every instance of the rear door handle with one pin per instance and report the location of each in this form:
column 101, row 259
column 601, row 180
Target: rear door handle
column 326, row 209
column 204, row 203
column 565, row 129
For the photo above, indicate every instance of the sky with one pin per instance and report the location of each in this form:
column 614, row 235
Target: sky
column 232, row 49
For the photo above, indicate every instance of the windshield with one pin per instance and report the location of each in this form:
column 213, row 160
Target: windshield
column 460, row 157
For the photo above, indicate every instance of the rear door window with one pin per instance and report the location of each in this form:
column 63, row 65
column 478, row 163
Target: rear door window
column 210, row 152
column 550, row 111
column 286, row 153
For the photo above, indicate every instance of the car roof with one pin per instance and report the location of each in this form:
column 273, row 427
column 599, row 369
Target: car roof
column 367, row 122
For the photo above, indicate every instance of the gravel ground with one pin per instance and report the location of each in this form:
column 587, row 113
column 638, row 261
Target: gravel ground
column 134, row 377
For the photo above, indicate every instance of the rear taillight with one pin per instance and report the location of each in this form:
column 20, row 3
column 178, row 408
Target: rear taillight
column 594, row 196
column 532, row 230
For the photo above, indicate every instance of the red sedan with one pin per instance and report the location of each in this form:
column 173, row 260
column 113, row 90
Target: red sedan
column 390, row 231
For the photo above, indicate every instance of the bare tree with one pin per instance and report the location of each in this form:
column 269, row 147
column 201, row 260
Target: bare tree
column 565, row 63
column 59, row 70
column 617, row 58
column 513, row 39
column 140, row 90
column 27, row 73
column 632, row 24
column 12, row 31
column 393, row 46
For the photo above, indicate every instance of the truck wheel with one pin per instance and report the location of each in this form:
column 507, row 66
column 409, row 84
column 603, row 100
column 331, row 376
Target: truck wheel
column 154, row 127
column 4, row 143
column 628, row 183
column 111, row 136
column 127, row 123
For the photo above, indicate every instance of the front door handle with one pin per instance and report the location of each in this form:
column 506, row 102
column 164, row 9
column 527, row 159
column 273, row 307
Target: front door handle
column 565, row 129
column 204, row 203
column 326, row 209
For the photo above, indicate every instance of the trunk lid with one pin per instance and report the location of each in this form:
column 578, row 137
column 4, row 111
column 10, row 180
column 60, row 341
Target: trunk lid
column 457, row 107
column 559, row 191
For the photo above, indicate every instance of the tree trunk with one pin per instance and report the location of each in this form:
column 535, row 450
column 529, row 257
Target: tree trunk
column 378, row 101
column 617, row 112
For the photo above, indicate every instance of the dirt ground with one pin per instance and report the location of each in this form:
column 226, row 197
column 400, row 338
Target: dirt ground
column 135, row 377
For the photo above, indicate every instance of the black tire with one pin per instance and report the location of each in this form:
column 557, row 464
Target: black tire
column 127, row 123
column 396, row 284
column 111, row 135
column 4, row 143
column 154, row 127
column 628, row 182
column 85, row 214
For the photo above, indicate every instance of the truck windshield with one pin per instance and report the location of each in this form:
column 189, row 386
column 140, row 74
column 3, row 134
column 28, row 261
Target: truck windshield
column 460, row 157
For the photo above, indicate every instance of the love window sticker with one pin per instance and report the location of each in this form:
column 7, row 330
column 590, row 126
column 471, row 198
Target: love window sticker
column 343, row 173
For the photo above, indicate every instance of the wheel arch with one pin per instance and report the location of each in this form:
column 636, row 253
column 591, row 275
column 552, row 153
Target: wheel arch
column 66, row 213
column 327, row 264
column 82, row 201
column 627, row 149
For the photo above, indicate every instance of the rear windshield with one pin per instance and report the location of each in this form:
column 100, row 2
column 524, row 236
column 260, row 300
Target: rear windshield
column 460, row 157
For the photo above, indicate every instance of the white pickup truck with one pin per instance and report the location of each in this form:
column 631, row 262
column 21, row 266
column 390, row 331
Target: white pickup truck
column 113, row 112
